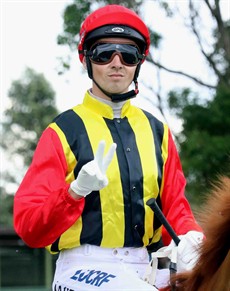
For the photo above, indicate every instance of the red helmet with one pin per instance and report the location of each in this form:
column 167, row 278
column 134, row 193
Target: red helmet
column 113, row 21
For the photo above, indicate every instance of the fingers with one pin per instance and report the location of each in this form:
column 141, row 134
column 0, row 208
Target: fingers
column 108, row 158
column 99, row 154
column 103, row 163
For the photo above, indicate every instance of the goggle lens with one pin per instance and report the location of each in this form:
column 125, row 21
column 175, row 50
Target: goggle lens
column 103, row 53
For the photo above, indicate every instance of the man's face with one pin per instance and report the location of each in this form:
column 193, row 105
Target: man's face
column 114, row 76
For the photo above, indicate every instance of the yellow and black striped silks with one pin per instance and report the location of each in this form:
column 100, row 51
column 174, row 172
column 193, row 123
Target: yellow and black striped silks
column 117, row 215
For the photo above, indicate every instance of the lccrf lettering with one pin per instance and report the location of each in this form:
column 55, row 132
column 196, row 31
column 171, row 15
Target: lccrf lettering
column 92, row 277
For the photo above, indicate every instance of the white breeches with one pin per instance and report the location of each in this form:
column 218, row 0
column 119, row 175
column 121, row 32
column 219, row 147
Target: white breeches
column 90, row 267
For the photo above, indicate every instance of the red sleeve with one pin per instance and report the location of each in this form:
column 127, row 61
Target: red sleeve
column 43, row 208
column 175, row 206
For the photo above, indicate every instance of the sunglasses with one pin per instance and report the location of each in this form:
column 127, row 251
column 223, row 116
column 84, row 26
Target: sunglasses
column 103, row 53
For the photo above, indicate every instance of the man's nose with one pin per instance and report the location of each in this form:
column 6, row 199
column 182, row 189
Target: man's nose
column 116, row 61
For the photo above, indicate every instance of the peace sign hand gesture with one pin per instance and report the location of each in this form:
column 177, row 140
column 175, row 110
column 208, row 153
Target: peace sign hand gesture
column 92, row 176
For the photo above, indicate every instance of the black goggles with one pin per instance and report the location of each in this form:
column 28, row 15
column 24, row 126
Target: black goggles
column 103, row 53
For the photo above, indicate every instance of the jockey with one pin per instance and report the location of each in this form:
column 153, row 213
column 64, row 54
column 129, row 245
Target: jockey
column 95, row 167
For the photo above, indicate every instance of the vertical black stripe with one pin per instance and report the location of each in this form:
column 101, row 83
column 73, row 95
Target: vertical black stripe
column 158, row 132
column 131, row 180
column 74, row 129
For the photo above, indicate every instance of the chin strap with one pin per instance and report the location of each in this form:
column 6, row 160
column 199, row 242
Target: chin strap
column 120, row 97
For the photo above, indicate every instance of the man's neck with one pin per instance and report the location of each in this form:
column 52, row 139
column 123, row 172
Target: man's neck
column 117, row 107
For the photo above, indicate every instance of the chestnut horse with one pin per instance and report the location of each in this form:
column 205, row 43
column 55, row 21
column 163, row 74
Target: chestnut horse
column 212, row 271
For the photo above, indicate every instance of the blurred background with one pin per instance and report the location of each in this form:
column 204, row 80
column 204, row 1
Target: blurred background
column 185, row 82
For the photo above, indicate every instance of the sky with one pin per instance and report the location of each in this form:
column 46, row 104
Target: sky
column 29, row 30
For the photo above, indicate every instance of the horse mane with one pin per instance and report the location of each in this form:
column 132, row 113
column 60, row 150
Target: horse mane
column 212, row 269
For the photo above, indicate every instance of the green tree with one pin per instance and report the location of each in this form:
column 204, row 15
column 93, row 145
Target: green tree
column 205, row 139
column 32, row 108
column 6, row 208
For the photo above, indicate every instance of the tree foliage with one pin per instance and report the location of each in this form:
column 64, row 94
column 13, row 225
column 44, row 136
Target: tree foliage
column 32, row 108
column 6, row 208
column 205, row 140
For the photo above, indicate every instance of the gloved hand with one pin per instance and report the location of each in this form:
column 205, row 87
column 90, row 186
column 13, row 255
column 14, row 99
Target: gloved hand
column 92, row 176
column 187, row 250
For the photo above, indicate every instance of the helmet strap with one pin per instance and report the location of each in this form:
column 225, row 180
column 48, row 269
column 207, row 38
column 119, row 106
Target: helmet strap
column 116, row 97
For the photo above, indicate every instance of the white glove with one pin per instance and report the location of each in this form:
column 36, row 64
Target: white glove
column 187, row 250
column 92, row 176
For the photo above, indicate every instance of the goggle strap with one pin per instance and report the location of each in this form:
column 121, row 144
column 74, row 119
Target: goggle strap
column 136, row 87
